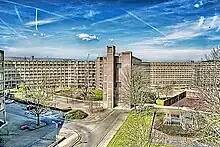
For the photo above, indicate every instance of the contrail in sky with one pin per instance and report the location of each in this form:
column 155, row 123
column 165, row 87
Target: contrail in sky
column 36, row 21
column 9, row 27
column 138, row 18
column 27, row 6
column 18, row 14
column 109, row 19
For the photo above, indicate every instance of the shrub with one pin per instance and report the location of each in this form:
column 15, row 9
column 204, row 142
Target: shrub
column 97, row 95
column 75, row 114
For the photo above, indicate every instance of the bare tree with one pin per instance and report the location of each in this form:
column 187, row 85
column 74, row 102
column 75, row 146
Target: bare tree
column 136, row 91
column 41, row 96
column 165, row 90
column 208, row 83
column 135, row 87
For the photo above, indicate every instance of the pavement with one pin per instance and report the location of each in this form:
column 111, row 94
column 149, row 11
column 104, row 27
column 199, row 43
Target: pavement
column 113, row 129
column 93, row 133
column 65, row 103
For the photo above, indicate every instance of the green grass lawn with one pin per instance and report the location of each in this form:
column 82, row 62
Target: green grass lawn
column 160, row 102
column 130, row 126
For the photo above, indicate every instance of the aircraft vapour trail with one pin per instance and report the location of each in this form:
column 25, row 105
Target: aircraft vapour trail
column 32, row 7
column 18, row 14
column 138, row 18
column 36, row 21
column 107, row 20
column 9, row 27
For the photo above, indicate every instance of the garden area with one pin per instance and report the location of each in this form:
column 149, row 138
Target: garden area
column 70, row 92
column 135, row 131
column 76, row 93
column 172, row 130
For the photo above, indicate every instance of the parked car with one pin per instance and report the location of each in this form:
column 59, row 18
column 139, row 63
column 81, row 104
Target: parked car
column 24, row 127
column 8, row 101
column 30, row 107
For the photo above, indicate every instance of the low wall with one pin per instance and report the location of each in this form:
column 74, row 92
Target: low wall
column 174, row 99
column 28, row 103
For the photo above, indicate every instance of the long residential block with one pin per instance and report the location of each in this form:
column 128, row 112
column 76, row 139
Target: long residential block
column 105, row 73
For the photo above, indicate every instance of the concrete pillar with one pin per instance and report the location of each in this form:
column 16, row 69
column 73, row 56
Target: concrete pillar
column 109, row 78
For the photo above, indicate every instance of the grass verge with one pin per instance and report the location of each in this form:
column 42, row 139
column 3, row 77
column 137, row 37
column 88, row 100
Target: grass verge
column 75, row 114
column 131, row 131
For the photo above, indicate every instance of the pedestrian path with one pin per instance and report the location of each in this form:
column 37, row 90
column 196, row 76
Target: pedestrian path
column 113, row 130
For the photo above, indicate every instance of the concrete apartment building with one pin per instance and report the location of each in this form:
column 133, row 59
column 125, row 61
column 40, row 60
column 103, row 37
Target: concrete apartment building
column 169, row 73
column 99, row 72
column 58, row 73
column 158, row 73
column 178, row 74
column 2, row 93
column 105, row 73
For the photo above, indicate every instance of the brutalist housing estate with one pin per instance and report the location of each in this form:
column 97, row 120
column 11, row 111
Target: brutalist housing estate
column 104, row 73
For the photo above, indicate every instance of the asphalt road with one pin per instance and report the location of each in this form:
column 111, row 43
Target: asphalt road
column 92, row 138
column 40, row 137
column 27, row 139
column 20, row 109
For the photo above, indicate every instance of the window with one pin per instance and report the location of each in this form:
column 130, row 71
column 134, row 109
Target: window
column 118, row 65
column 1, row 76
column 118, row 84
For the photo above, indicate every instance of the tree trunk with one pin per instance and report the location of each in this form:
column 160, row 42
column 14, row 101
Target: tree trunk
column 151, row 128
column 38, row 119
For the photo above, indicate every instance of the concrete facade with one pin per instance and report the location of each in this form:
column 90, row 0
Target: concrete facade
column 169, row 73
column 99, row 72
column 113, row 68
column 62, row 73
column 2, row 92
column 177, row 74
column 105, row 73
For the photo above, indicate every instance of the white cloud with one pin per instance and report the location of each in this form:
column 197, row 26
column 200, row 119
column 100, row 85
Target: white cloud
column 183, row 31
column 170, row 38
column 201, row 21
column 80, row 28
column 42, row 34
column 91, row 13
column 87, row 37
column 111, row 39
column 196, row 5
column 214, row 18
column 201, row 3
column 214, row 38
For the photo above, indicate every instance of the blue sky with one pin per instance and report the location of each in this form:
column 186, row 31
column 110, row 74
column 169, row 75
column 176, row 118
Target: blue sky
column 155, row 30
